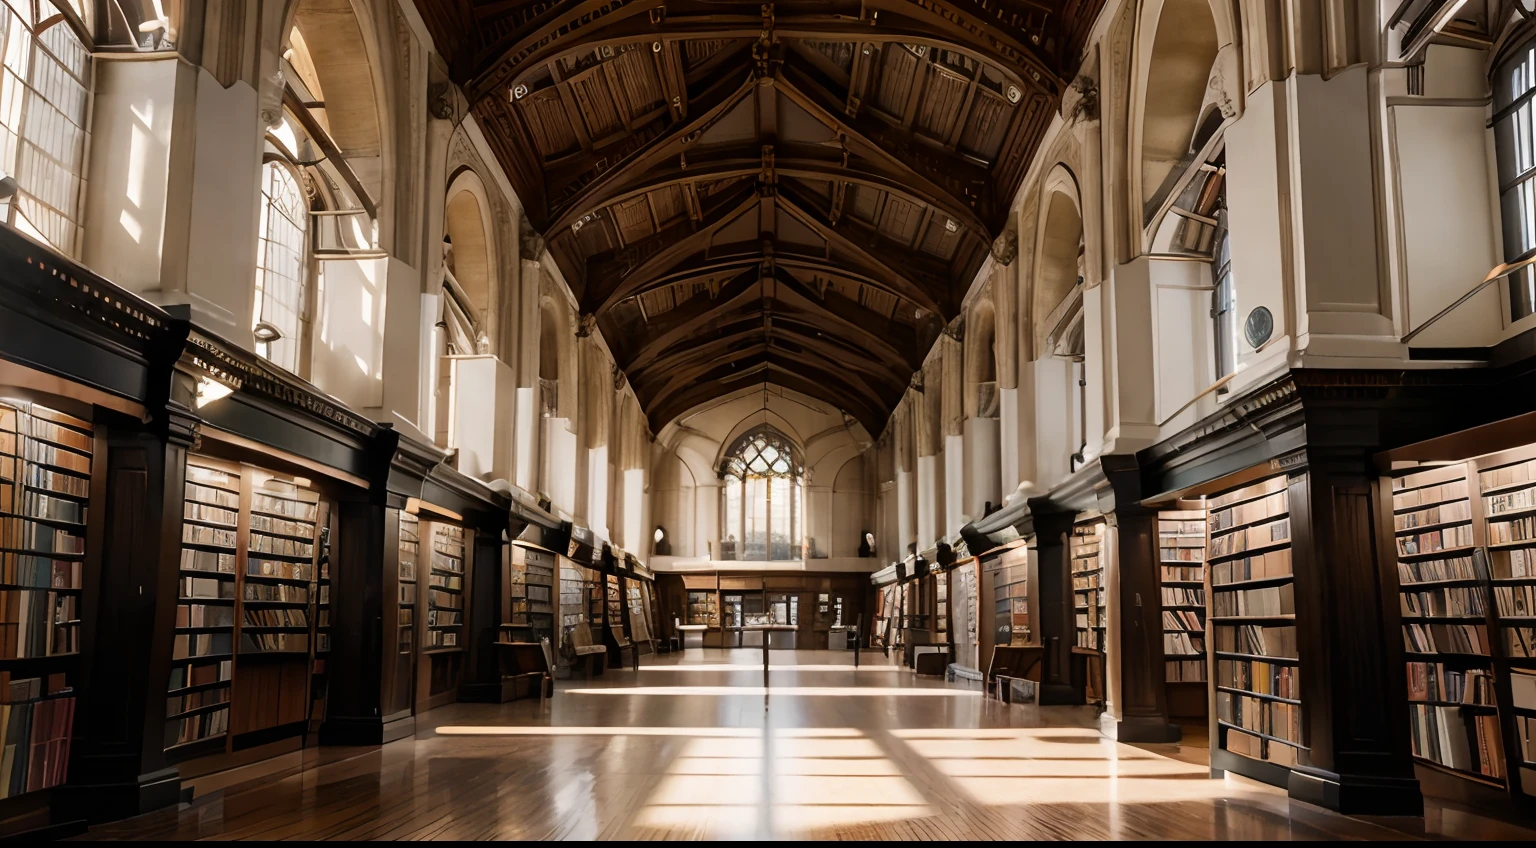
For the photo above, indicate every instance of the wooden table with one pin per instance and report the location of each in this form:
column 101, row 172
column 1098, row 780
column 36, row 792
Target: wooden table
column 694, row 630
column 768, row 630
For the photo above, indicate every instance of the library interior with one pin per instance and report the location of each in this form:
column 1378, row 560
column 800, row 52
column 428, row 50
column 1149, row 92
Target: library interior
column 815, row 419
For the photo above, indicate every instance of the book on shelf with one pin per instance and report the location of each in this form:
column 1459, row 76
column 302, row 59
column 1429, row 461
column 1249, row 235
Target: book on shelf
column 1185, row 671
column 1183, row 596
column 204, row 615
column 214, row 562
column 1445, row 513
column 1508, row 475
column 1249, row 512
column 1436, row 682
column 1430, row 494
column 1511, row 531
column 36, row 730
column 267, row 641
column 1282, row 680
column 1257, row 640
column 289, row 593
column 193, row 645
column 1266, row 566
column 1455, row 739
column 1260, row 715
column 1183, row 643
column 1443, row 601
column 206, row 588
column 1251, row 538
column 1520, row 642
column 1430, row 570
column 1183, row 620
column 1435, row 638
column 1266, row 601
column 1518, row 601
column 1433, row 541
column 1183, row 573
column 187, row 674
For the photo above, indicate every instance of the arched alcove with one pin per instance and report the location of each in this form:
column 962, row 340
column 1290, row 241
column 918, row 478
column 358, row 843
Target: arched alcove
column 1183, row 52
column 466, row 219
column 1059, row 265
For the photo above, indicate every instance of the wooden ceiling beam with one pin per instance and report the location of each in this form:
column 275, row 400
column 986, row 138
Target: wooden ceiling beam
column 817, row 385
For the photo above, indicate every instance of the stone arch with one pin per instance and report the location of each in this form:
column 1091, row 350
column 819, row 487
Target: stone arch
column 470, row 226
column 557, row 354
column 1176, row 50
column 980, row 361
column 335, row 52
column 1059, row 256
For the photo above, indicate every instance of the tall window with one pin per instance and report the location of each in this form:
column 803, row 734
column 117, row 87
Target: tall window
column 1224, row 305
column 279, row 318
column 762, row 498
column 1514, row 127
column 44, row 90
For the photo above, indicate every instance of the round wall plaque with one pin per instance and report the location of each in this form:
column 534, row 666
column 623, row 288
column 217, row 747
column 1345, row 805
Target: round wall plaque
column 1259, row 326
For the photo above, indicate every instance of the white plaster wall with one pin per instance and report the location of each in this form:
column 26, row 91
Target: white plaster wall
column 133, row 107
column 852, row 510
column 983, row 465
column 1254, row 187
column 599, row 472
column 1182, row 333
column 481, row 413
column 1448, row 233
column 221, row 244
column 347, row 359
column 928, row 492
column 954, row 486
column 559, row 467
column 1008, row 440
column 1094, row 355
column 1055, row 430
column 525, row 438
column 906, row 527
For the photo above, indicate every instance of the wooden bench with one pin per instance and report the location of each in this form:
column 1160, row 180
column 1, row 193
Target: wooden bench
column 588, row 653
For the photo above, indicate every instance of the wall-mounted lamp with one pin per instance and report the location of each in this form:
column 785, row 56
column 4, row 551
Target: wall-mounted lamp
column 266, row 333
column 210, row 390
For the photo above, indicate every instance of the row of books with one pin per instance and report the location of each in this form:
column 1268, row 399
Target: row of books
column 35, row 732
column 219, row 562
column 1257, row 748
column 1177, row 596
column 266, row 642
column 1452, row 738
column 1087, row 581
column 212, row 514
column 1435, row 682
column 282, row 569
column 197, row 727
column 1445, row 638
column 1507, row 502
column 38, row 623
column 1450, row 568
column 444, row 618
column 283, row 507
column 1441, row 514
column 269, row 524
column 1175, row 527
column 1261, row 715
column 1431, row 541
column 1263, row 678
column 205, row 615
column 1512, row 530
column 40, row 505
column 1183, row 620
column 1520, row 641
column 1251, row 538
column 1430, row 494
column 264, row 544
column 445, row 600
column 1180, row 643
column 213, row 496
column 49, row 455
column 37, row 426
column 1181, row 554
column 441, row 639
column 1445, row 600
column 443, row 562
column 1516, row 600
column 188, row 674
column 197, row 534
column 444, row 581
column 58, row 482
column 1185, row 671
column 1269, row 600
column 1518, row 564
column 276, row 617
column 178, row 704
column 39, row 572
column 206, row 476
column 190, row 645
column 1256, row 639
column 206, row 587
column 1183, row 574
column 1249, row 512
column 277, row 592
column 20, row 534
column 1519, row 472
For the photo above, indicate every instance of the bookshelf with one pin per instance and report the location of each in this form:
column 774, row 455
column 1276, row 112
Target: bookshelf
column 445, row 591
column 1087, row 572
column 941, row 607
column 531, row 580
column 703, row 608
column 1181, row 543
column 408, row 558
column 1010, row 584
column 202, row 658
column 1507, row 484
column 45, row 494
column 1443, row 596
column 1250, row 622
column 639, row 611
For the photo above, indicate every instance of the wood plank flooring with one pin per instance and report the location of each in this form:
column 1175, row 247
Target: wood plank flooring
column 689, row 747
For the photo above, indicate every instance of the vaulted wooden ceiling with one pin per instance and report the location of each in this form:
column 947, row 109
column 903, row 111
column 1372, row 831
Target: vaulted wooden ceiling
column 745, row 192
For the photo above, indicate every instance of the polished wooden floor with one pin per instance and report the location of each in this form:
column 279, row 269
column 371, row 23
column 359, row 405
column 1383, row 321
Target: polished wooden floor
column 690, row 747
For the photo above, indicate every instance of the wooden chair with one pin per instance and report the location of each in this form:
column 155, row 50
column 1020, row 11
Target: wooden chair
column 587, row 652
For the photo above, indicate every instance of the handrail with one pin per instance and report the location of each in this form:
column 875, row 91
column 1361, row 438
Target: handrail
column 1219, row 383
column 1499, row 272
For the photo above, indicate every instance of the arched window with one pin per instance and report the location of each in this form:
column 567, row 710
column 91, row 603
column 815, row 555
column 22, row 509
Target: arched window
column 44, row 91
column 762, row 498
column 1514, row 127
column 280, row 318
